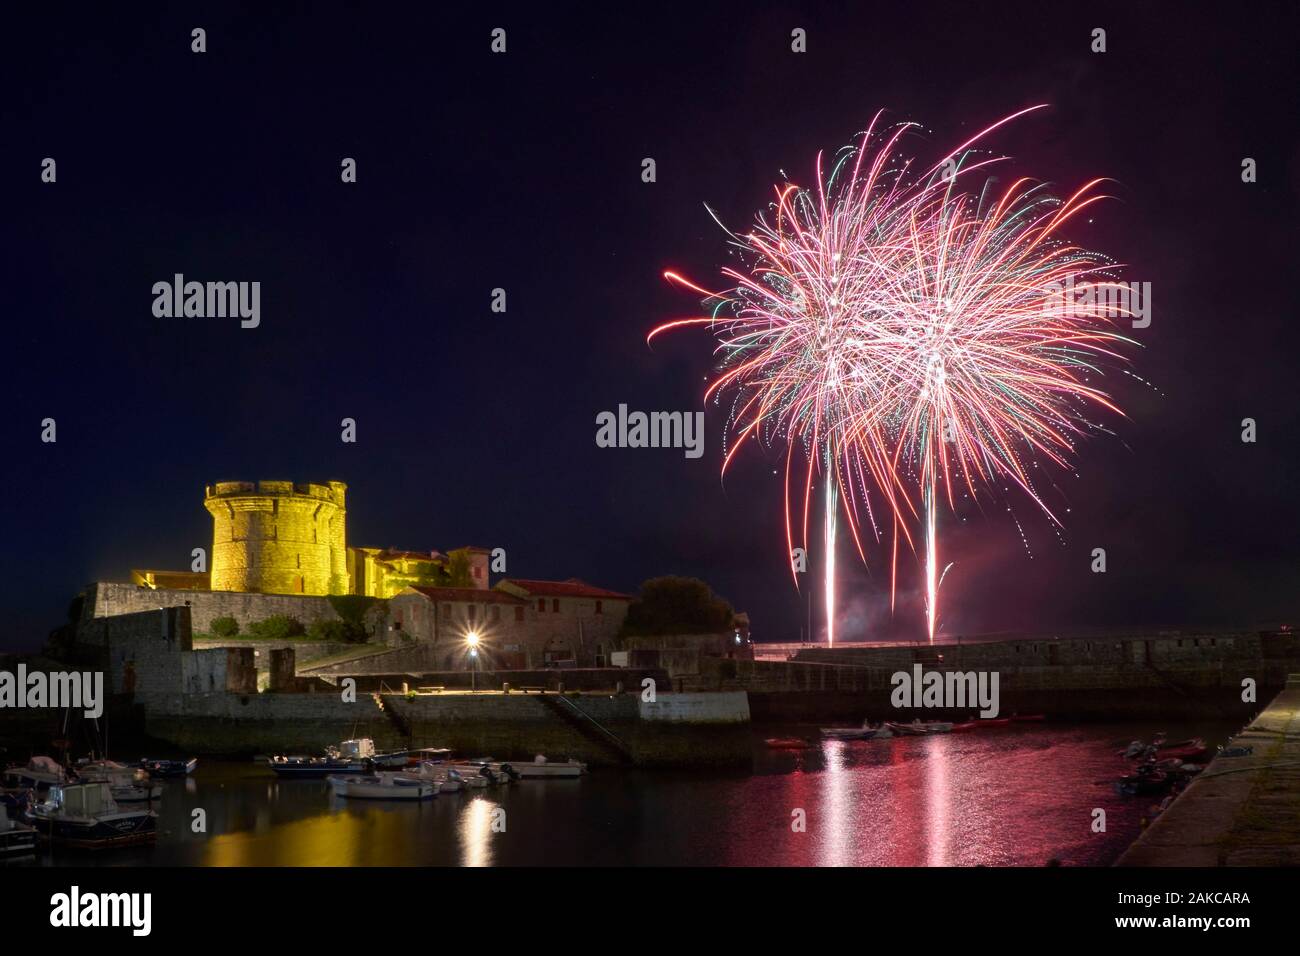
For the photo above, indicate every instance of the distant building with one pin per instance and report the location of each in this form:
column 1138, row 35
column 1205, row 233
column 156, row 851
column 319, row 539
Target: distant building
column 382, row 573
column 518, row 624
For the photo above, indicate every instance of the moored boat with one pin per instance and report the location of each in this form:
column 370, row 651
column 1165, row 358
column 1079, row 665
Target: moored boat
column 920, row 728
column 1182, row 749
column 495, row 772
column 86, row 815
column 445, row 778
column 382, row 786
column 304, row 766
column 169, row 768
column 1148, row 779
column 127, row 784
column 865, row 732
column 16, row 838
column 39, row 774
column 542, row 769
column 787, row 743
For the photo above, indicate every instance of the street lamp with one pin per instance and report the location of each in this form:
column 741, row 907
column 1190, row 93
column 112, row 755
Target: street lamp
column 471, row 639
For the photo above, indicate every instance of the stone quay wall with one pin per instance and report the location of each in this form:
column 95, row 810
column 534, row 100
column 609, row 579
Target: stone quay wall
column 677, row 730
column 1156, row 677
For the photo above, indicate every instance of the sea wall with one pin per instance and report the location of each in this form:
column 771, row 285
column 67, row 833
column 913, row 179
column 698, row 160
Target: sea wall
column 678, row 730
column 792, row 691
column 247, row 724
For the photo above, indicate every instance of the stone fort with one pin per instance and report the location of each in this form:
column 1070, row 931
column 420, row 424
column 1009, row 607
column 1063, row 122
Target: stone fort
column 280, row 548
column 278, row 538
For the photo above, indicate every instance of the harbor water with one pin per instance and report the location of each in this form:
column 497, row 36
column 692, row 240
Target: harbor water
column 1021, row 796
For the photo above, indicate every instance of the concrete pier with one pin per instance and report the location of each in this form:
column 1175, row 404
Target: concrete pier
column 1241, row 811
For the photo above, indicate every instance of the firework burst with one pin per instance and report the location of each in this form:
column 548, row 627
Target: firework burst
column 904, row 338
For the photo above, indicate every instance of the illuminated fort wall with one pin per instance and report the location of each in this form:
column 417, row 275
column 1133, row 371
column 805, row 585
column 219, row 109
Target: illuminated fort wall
column 277, row 537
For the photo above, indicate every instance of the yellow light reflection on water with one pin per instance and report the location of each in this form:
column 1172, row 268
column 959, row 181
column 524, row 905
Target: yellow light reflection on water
column 348, row 836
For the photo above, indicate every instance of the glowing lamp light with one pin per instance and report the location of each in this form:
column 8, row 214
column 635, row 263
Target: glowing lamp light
column 472, row 638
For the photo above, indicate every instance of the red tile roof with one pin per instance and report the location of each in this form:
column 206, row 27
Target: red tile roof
column 573, row 587
column 469, row 595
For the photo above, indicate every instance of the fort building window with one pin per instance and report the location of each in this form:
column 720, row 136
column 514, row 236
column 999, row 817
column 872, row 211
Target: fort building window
column 446, row 611
column 496, row 613
column 598, row 609
column 541, row 604
column 470, row 611
column 555, row 605
column 519, row 613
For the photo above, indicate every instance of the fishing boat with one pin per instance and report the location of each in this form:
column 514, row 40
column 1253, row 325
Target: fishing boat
column 382, row 786
column 86, row 815
column 168, row 768
column 16, row 839
column 349, row 757
column 127, row 784
column 39, row 774
column 304, row 766
column 920, row 728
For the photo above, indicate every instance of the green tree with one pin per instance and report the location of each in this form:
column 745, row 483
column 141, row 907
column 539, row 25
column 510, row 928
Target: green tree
column 456, row 573
column 676, row 605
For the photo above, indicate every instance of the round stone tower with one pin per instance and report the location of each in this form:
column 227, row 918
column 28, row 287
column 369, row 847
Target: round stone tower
column 275, row 537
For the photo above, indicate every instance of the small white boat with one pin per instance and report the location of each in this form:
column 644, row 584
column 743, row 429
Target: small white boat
column 382, row 786
column 127, row 784
column 472, row 776
column 445, row 778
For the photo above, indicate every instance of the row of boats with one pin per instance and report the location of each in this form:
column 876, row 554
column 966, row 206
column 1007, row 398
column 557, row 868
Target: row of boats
column 102, row 803
column 355, row 770
column 82, row 805
column 887, row 729
column 1162, row 767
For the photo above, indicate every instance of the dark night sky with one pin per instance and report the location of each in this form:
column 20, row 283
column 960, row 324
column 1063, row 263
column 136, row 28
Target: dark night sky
column 523, row 171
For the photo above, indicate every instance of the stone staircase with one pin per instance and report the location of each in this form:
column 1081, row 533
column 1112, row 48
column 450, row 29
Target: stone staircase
column 400, row 723
column 586, row 725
